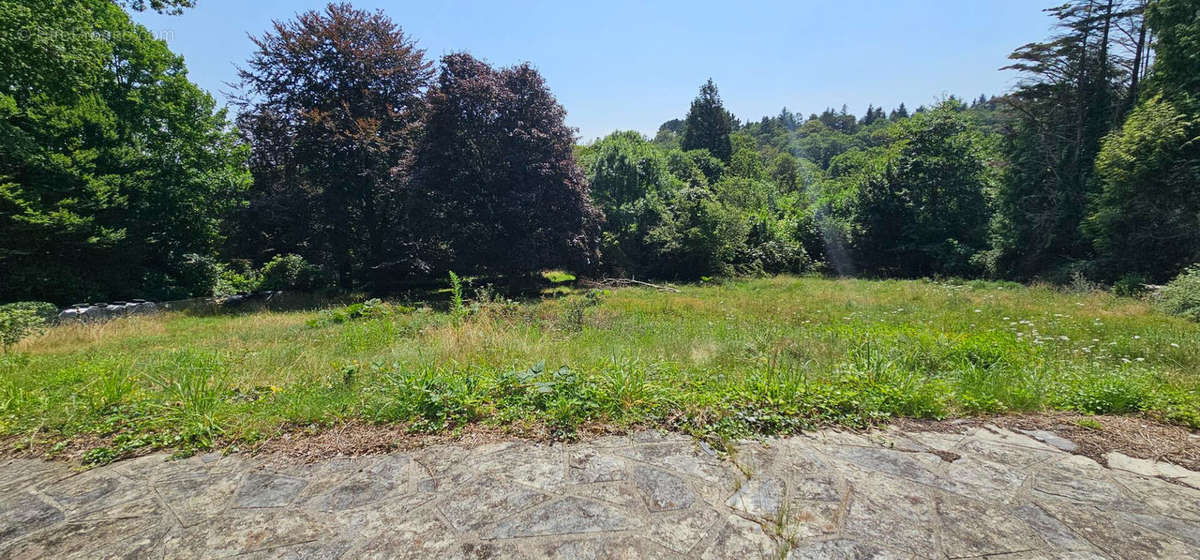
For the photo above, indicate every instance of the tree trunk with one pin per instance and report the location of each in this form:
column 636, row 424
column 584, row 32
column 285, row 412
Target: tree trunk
column 1137, row 61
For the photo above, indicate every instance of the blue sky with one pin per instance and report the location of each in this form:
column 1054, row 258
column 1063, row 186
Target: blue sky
column 618, row 65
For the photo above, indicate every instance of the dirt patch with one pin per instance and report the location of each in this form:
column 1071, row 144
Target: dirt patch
column 310, row 443
column 1095, row 436
column 355, row 438
column 1138, row 437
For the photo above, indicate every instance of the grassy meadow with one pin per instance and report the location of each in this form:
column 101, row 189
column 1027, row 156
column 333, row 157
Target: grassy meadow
column 767, row 355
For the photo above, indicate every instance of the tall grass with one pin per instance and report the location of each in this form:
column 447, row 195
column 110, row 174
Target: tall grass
column 764, row 355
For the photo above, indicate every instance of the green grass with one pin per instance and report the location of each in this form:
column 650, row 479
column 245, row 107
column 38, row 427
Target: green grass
column 756, row 356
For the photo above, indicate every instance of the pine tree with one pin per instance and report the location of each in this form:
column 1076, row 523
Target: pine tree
column 869, row 117
column 1145, row 217
column 708, row 124
column 1070, row 99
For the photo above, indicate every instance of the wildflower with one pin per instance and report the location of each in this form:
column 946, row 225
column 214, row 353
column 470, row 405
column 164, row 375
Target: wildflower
column 1173, row 345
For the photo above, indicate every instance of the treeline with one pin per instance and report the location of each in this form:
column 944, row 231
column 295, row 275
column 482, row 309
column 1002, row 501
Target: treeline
column 1088, row 170
column 356, row 162
column 885, row 194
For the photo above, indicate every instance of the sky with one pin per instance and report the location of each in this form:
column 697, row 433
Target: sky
column 627, row 65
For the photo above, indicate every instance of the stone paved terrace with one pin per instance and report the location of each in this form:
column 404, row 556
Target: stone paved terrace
column 983, row 493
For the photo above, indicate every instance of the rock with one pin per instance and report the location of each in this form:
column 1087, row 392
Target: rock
column 663, row 491
column 106, row 311
column 565, row 517
column 760, row 497
column 1146, row 467
column 1051, row 438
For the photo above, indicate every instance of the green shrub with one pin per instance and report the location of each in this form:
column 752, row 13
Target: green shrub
column 428, row 399
column 24, row 318
column 1130, row 285
column 292, row 272
column 187, row 275
column 1182, row 295
column 575, row 310
column 238, row 277
column 370, row 309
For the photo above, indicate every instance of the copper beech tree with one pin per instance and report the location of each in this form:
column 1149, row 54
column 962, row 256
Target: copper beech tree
column 363, row 166
column 495, row 179
column 331, row 103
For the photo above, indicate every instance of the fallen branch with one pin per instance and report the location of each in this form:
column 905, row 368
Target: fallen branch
column 624, row 282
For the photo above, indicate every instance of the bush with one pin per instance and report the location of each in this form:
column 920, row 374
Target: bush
column 197, row 274
column 185, row 276
column 1130, row 285
column 370, row 309
column 238, row 276
column 292, row 272
column 21, row 319
column 1182, row 296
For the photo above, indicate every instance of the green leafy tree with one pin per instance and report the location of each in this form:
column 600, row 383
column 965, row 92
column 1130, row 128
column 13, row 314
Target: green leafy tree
column 623, row 167
column 916, row 207
column 669, row 133
column 1176, row 23
column 1146, row 217
column 114, row 168
column 708, row 124
column 624, row 171
column 786, row 173
column 746, row 160
column 697, row 235
column 23, row 319
column 173, row 7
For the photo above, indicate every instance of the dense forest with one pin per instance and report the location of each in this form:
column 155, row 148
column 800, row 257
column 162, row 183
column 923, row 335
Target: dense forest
column 351, row 160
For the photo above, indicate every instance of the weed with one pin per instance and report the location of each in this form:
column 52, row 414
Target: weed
column 1182, row 295
column 23, row 319
column 458, row 308
column 370, row 309
column 429, row 400
column 575, row 310
column 1131, row 285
